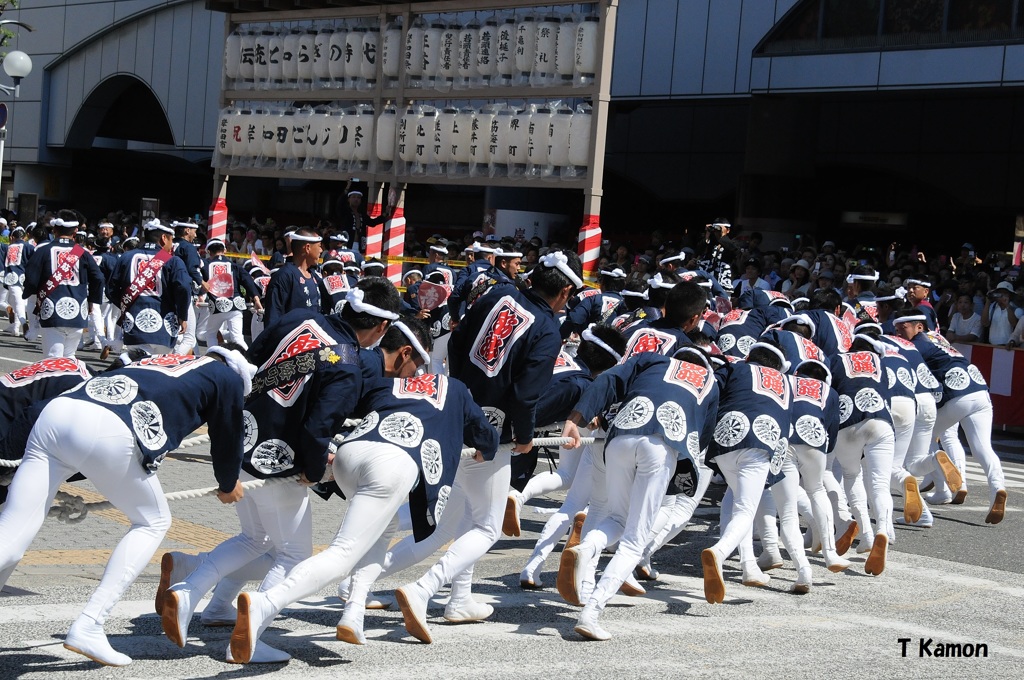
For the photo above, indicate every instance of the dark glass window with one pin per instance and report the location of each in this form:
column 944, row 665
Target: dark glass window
column 979, row 15
column 804, row 24
column 849, row 19
column 914, row 16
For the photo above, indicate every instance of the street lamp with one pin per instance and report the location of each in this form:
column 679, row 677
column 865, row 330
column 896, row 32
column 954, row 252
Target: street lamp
column 17, row 65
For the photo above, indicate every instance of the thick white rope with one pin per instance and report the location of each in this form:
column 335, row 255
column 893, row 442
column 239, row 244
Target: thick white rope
column 187, row 443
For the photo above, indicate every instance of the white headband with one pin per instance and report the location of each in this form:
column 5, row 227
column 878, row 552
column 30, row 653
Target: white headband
column 355, row 300
column 633, row 293
column 103, row 224
column 774, row 350
column 355, row 192
column 366, row 265
column 690, row 349
column 339, row 237
column 214, row 242
column 828, row 373
column 560, row 262
column 414, row 341
column 719, row 225
column 862, row 277
column 672, row 258
column 308, row 239
column 498, row 252
column 413, row 271
column 615, row 273
column 911, row 317
column 439, row 249
column 798, row 300
column 155, row 225
column 861, row 327
column 898, row 294
column 589, row 336
column 81, row 233
column 657, row 281
column 61, row 224
column 801, row 319
column 237, row 362
column 477, row 248
column 182, row 225
column 918, row 282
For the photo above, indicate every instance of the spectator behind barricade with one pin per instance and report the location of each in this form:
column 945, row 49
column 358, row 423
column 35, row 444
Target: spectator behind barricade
column 623, row 257
column 965, row 326
column 641, row 272
column 751, row 278
column 999, row 315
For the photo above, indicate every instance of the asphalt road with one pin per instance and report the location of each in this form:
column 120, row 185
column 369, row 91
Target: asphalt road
column 957, row 582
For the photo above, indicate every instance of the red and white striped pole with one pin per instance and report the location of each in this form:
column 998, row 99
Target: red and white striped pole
column 395, row 233
column 375, row 233
column 217, row 227
column 589, row 247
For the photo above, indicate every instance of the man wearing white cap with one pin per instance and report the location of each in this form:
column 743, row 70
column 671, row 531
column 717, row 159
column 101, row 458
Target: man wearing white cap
column 185, row 249
column 295, row 284
column 478, row 271
column 997, row 316
column 437, row 258
column 66, row 282
column 153, row 292
column 354, row 219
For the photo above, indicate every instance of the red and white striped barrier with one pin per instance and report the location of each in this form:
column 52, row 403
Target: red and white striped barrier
column 374, row 241
column 395, row 248
column 1004, row 371
column 218, row 224
column 589, row 247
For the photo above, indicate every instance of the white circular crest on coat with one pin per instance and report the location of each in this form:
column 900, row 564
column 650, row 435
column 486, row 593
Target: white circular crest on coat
column 442, row 501
column 906, row 377
column 745, row 343
column 957, row 379
column 845, row 408
column 171, row 324
column 340, row 305
column 272, row 456
column 767, row 430
column 868, row 400
column 148, row 423
column 11, row 279
column 976, row 375
column 732, row 428
column 693, row 444
column 148, row 321
column 431, row 461
column 811, row 431
column 239, row 303
column 250, row 431
column 673, row 420
column 402, row 429
column 128, row 324
column 367, row 424
column 635, row 413
column 67, row 308
column 726, row 342
column 114, row 389
column 891, row 375
column 495, row 416
column 46, row 309
column 222, row 305
column 926, row 377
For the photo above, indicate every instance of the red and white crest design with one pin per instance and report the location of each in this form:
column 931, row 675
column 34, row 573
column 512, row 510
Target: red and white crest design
column 649, row 340
column 345, row 256
column 863, row 365
column 608, row 306
column 565, row 363
column 14, row 254
column 432, row 295
column 60, row 255
column 262, row 282
column 142, row 262
column 905, row 344
column 842, row 331
column 505, row 323
column 697, row 380
column 172, row 364
column 807, row 349
column 430, row 387
column 222, row 280
column 770, row 383
column 336, row 283
column 810, row 390
column 589, row 292
column 47, row 368
column 736, row 316
column 306, row 337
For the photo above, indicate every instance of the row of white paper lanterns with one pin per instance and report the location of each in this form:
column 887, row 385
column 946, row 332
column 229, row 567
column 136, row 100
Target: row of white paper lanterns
column 547, row 49
column 539, row 135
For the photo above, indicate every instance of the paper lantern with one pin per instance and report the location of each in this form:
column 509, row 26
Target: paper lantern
column 558, row 137
column 539, row 133
column 565, row 48
column 446, row 135
column 272, row 128
column 480, row 146
column 505, row 54
column 414, row 49
column 307, row 43
column 246, row 68
column 498, row 137
column 251, row 128
column 322, row 54
column 394, row 50
column 579, row 138
column 526, row 44
column 448, row 56
column 586, row 46
column 236, row 140
column 432, row 50
column 544, row 48
column 261, row 58
column 347, row 140
column 426, row 136
column 354, row 53
column 300, row 132
column 386, row 133
column 407, row 135
column 275, row 59
column 463, row 132
column 321, row 134
column 519, row 138
column 468, row 38
column 290, row 56
column 487, row 42
column 370, row 48
column 224, row 133
column 233, row 55
column 336, row 55
column 362, row 132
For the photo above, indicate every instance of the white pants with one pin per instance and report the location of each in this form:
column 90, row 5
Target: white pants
column 872, row 440
column 60, row 341
column 675, row 513
column 77, row 436
column 439, row 355
column 202, row 322
column 376, row 478
column 231, row 323
column 904, row 417
column 783, row 499
column 186, row 341
column 745, row 471
column 275, row 517
column 638, row 471
column 972, row 412
column 256, row 326
column 549, row 482
column 811, row 464
column 15, row 300
column 920, row 461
